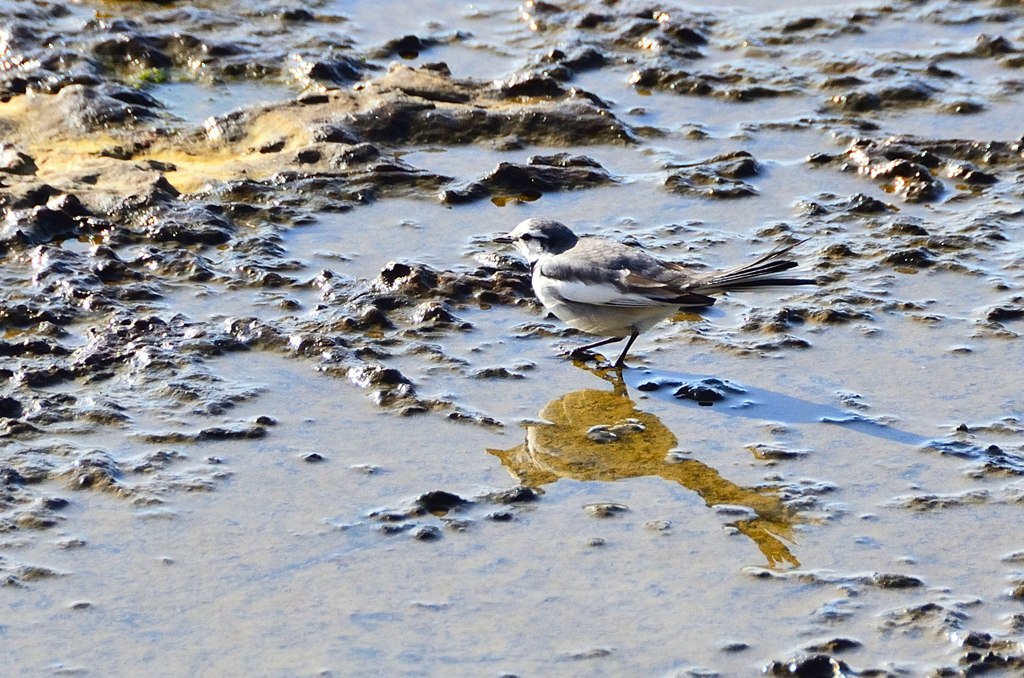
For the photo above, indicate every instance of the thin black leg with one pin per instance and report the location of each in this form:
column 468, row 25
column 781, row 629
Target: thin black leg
column 582, row 349
column 622, row 356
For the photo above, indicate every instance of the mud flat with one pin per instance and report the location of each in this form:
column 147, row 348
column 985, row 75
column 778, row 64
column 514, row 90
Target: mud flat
column 272, row 402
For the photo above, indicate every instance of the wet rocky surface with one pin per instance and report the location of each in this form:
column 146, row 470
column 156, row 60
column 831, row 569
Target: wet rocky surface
column 291, row 310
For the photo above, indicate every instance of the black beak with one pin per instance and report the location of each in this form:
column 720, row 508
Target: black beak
column 504, row 239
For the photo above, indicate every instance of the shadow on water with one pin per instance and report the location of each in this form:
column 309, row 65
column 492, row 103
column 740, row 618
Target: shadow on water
column 726, row 397
column 601, row 435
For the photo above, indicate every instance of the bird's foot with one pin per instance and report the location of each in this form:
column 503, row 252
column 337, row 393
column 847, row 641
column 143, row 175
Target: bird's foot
column 580, row 353
column 575, row 352
column 583, row 357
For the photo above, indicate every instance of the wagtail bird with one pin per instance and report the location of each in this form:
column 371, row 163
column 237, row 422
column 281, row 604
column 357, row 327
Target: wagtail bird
column 603, row 287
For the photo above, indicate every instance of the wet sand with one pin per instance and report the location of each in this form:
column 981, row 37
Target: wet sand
column 272, row 403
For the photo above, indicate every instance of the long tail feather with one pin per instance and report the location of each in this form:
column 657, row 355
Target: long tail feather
column 758, row 273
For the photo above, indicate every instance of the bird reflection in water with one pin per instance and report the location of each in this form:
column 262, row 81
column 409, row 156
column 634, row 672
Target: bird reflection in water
column 601, row 435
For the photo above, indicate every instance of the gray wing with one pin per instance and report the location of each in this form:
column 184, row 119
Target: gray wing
column 605, row 273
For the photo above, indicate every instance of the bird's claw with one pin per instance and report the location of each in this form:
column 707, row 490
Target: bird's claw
column 584, row 355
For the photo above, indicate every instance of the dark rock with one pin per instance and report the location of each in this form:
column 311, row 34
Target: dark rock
column 220, row 433
column 36, row 226
column 370, row 318
column 913, row 258
column 433, row 312
column 54, row 503
column 990, row 46
column 376, row 376
column 513, row 495
column 545, row 174
column 439, row 502
column 982, row 663
column 708, row 390
column 313, row 458
column 717, row 177
column 427, row 533
column 863, row 204
column 657, row 384
column 839, row 251
column 530, row 85
column 132, row 51
column 273, row 147
column 341, row 70
column 906, row 92
column 981, row 641
column 915, row 182
column 313, row 99
column 13, row 161
column 31, row 347
column 842, row 81
column 736, row 165
column 583, row 59
column 174, row 262
column 928, row 616
column 392, row 529
column 214, row 433
column 254, row 333
column 963, row 107
column 439, row 67
column 801, row 24
column 95, row 470
column 906, row 228
column 296, row 15
column 1001, row 314
column 335, row 134
column 684, row 34
column 111, row 269
column 415, row 280
column 593, row 20
column 834, row 645
column 135, row 97
column 605, row 509
column 709, row 186
column 971, row 176
column 637, row 29
column 406, row 47
column 10, row 408
column 31, row 195
column 496, row 373
column 467, row 193
column 36, row 519
column 564, row 160
column 679, row 82
column 86, row 110
column 67, row 204
column 896, row 581
column 191, row 225
column 899, row 168
column 857, row 101
column 817, row 666
column 775, row 452
column 566, row 122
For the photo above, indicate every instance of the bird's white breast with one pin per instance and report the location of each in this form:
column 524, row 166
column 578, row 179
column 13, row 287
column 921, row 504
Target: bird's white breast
column 599, row 308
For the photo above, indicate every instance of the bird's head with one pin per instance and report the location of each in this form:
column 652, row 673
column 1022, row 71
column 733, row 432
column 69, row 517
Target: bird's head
column 538, row 236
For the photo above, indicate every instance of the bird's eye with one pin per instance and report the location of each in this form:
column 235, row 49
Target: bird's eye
column 526, row 236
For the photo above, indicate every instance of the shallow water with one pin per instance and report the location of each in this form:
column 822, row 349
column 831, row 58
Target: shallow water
column 828, row 495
